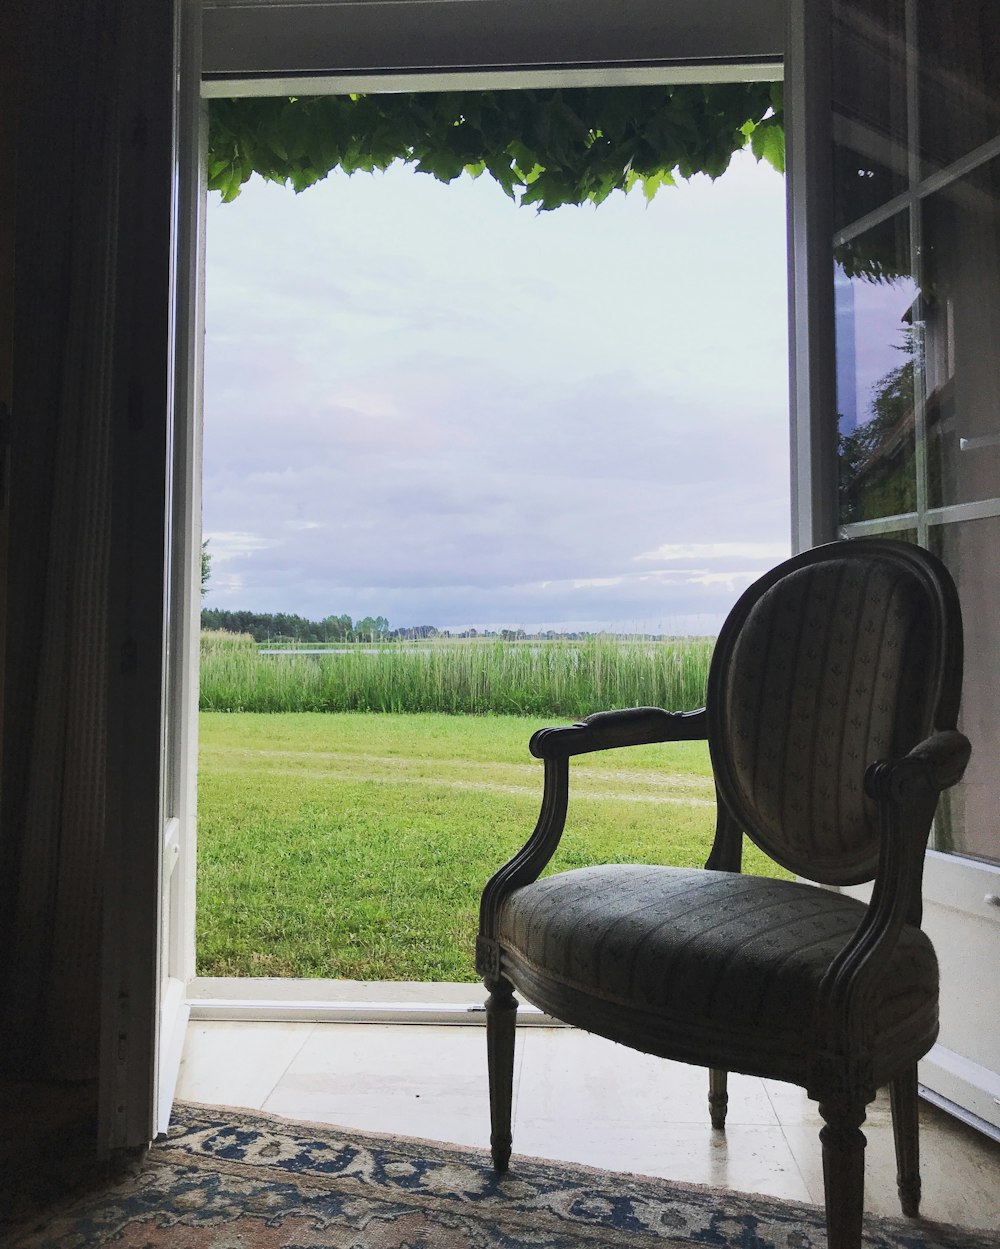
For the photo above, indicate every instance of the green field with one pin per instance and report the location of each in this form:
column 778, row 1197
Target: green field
column 356, row 846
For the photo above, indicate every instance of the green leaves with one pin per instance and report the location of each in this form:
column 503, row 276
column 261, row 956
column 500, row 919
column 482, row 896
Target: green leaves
column 444, row 165
column 767, row 142
column 548, row 147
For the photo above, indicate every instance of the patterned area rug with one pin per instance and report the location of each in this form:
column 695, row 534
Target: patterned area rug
column 229, row 1179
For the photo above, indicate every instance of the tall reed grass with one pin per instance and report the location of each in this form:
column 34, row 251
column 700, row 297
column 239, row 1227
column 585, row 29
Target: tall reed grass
column 566, row 678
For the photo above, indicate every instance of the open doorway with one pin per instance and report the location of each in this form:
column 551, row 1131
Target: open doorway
column 455, row 443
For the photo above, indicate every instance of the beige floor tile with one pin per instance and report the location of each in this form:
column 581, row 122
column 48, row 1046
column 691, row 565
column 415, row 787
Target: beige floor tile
column 960, row 1170
column 792, row 1106
column 577, row 1076
column 418, row 1081
column 237, row 1064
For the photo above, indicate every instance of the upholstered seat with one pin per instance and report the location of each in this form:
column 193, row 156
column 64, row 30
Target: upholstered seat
column 830, row 717
column 679, row 957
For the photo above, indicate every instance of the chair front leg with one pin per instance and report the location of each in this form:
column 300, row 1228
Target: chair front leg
column 906, row 1133
column 843, row 1172
column 501, row 1020
column 718, row 1096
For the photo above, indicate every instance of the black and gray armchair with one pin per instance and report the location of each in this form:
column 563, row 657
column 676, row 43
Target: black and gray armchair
column 830, row 717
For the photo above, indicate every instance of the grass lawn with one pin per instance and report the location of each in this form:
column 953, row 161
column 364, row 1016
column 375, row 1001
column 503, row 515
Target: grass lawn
column 356, row 845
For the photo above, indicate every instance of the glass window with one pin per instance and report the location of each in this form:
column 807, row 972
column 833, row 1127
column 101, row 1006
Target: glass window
column 876, row 366
column 900, row 535
column 968, row 820
column 959, row 79
column 869, row 107
column 961, row 305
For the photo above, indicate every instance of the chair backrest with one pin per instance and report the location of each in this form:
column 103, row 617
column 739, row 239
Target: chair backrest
column 842, row 655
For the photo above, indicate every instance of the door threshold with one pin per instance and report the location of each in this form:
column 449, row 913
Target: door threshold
column 279, row 1000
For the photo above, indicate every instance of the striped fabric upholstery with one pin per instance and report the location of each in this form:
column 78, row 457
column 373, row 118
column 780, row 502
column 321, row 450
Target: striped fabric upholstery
column 712, row 952
column 828, row 672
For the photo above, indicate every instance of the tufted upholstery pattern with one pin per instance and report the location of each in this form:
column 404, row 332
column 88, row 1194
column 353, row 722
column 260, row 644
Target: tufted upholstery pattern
column 710, row 953
column 828, row 672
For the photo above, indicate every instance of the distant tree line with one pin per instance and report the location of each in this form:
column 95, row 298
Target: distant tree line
column 284, row 627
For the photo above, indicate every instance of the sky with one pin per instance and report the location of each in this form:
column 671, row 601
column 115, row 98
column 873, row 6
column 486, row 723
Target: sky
column 427, row 403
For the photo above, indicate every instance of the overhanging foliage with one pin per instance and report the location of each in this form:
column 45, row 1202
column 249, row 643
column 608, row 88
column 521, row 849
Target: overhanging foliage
column 547, row 147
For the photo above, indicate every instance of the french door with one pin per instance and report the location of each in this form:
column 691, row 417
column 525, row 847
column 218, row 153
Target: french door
column 911, row 217
column 148, row 940
column 183, row 581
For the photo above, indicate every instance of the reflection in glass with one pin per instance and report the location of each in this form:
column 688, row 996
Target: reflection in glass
column 901, row 535
column 968, row 820
column 869, row 106
column 961, row 226
column 877, row 357
column 959, row 78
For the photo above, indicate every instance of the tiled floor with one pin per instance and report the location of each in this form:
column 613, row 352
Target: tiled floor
column 577, row 1098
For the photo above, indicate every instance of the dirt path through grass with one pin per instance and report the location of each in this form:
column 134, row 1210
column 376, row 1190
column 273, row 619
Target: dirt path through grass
column 517, row 778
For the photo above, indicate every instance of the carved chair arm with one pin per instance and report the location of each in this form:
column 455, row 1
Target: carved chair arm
column 906, row 790
column 604, row 730
column 934, row 765
column 608, row 730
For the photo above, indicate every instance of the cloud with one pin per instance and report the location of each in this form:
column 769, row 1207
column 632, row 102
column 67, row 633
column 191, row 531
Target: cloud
column 770, row 551
column 227, row 546
column 424, row 403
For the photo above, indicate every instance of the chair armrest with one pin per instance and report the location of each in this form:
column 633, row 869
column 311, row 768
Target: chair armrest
column 934, row 765
column 607, row 730
column 906, row 791
column 602, row 731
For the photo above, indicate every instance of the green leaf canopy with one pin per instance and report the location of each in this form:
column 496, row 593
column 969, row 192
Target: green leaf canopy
column 546, row 147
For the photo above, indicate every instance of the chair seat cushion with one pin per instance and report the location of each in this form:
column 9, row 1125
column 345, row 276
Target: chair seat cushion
column 707, row 967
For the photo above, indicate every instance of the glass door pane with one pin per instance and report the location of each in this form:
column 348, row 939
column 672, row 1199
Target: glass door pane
column 875, row 296
column 959, row 82
column 869, row 108
column 967, row 821
column 960, row 225
column 916, row 249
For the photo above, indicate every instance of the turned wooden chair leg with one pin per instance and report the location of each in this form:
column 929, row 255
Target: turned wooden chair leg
column 843, row 1172
column 906, row 1132
column 718, row 1097
column 501, row 1019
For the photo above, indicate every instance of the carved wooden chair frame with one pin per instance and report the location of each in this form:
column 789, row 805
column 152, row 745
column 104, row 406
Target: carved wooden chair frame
column 842, row 1076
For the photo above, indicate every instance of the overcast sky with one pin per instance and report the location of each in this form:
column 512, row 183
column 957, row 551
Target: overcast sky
column 426, row 403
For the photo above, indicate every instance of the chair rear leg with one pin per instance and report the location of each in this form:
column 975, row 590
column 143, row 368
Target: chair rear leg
column 906, row 1132
column 718, row 1096
column 843, row 1172
column 501, row 1020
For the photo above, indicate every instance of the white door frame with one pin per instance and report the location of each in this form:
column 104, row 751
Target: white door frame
column 179, row 843
column 813, row 376
column 132, row 1026
column 329, row 47
column 147, row 942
